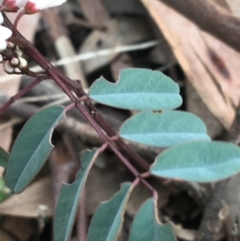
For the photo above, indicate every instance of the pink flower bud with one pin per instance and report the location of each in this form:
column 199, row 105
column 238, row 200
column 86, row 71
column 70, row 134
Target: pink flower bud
column 34, row 6
column 31, row 6
column 8, row 67
column 23, row 64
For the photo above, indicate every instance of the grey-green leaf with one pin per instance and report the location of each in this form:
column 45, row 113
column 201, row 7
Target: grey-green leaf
column 4, row 156
column 69, row 199
column 146, row 225
column 138, row 89
column 108, row 218
column 164, row 129
column 198, row 161
column 31, row 148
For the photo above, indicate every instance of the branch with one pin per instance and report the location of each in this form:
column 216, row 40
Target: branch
column 210, row 18
column 211, row 223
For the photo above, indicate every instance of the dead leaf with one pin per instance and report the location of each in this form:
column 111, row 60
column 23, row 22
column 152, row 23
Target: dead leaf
column 223, row 3
column 196, row 106
column 36, row 200
column 212, row 67
column 234, row 6
column 95, row 12
column 121, row 31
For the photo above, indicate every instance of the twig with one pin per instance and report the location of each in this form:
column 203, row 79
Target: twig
column 41, row 98
column 105, row 52
column 91, row 55
column 20, row 110
column 61, row 101
column 211, row 223
column 22, row 92
column 12, row 122
column 74, row 91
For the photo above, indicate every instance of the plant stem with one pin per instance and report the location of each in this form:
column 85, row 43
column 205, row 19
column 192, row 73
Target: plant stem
column 103, row 124
column 23, row 92
column 76, row 87
column 84, row 112
column 88, row 110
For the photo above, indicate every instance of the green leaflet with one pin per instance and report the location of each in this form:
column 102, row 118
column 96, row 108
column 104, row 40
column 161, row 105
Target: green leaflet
column 147, row 227
column 198, row 161
column 138, row 89
column 31, row 148
column 4, row 156
column 164, row 129
column 69, row 199
column 108, row 218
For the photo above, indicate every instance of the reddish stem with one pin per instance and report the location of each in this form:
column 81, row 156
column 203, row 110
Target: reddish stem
column 70, row 106
column 96, row 121
column 75, row 86
column 23, row 92
column 93, row 123
column 103, row 124
column 21, row 13
column 135, row 182
column 146, row 175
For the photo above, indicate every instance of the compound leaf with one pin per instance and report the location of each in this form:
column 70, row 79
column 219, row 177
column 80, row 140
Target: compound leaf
column 69, row 199
column 164, row 129
column 138, row 89
column 108, row 218
column 198, row 161
column 31, row 148
column 4, row 156
column 146, row 225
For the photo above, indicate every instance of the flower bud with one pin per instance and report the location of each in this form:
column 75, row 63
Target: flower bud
column 15, row 62
column 34, row 6
column 23, row 64
column 10, row 6
column 11, row 45
column 8, row 67
column 19, row 52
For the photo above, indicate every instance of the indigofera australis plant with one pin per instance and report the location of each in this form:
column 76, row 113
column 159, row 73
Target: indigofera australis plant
column 190, row 153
